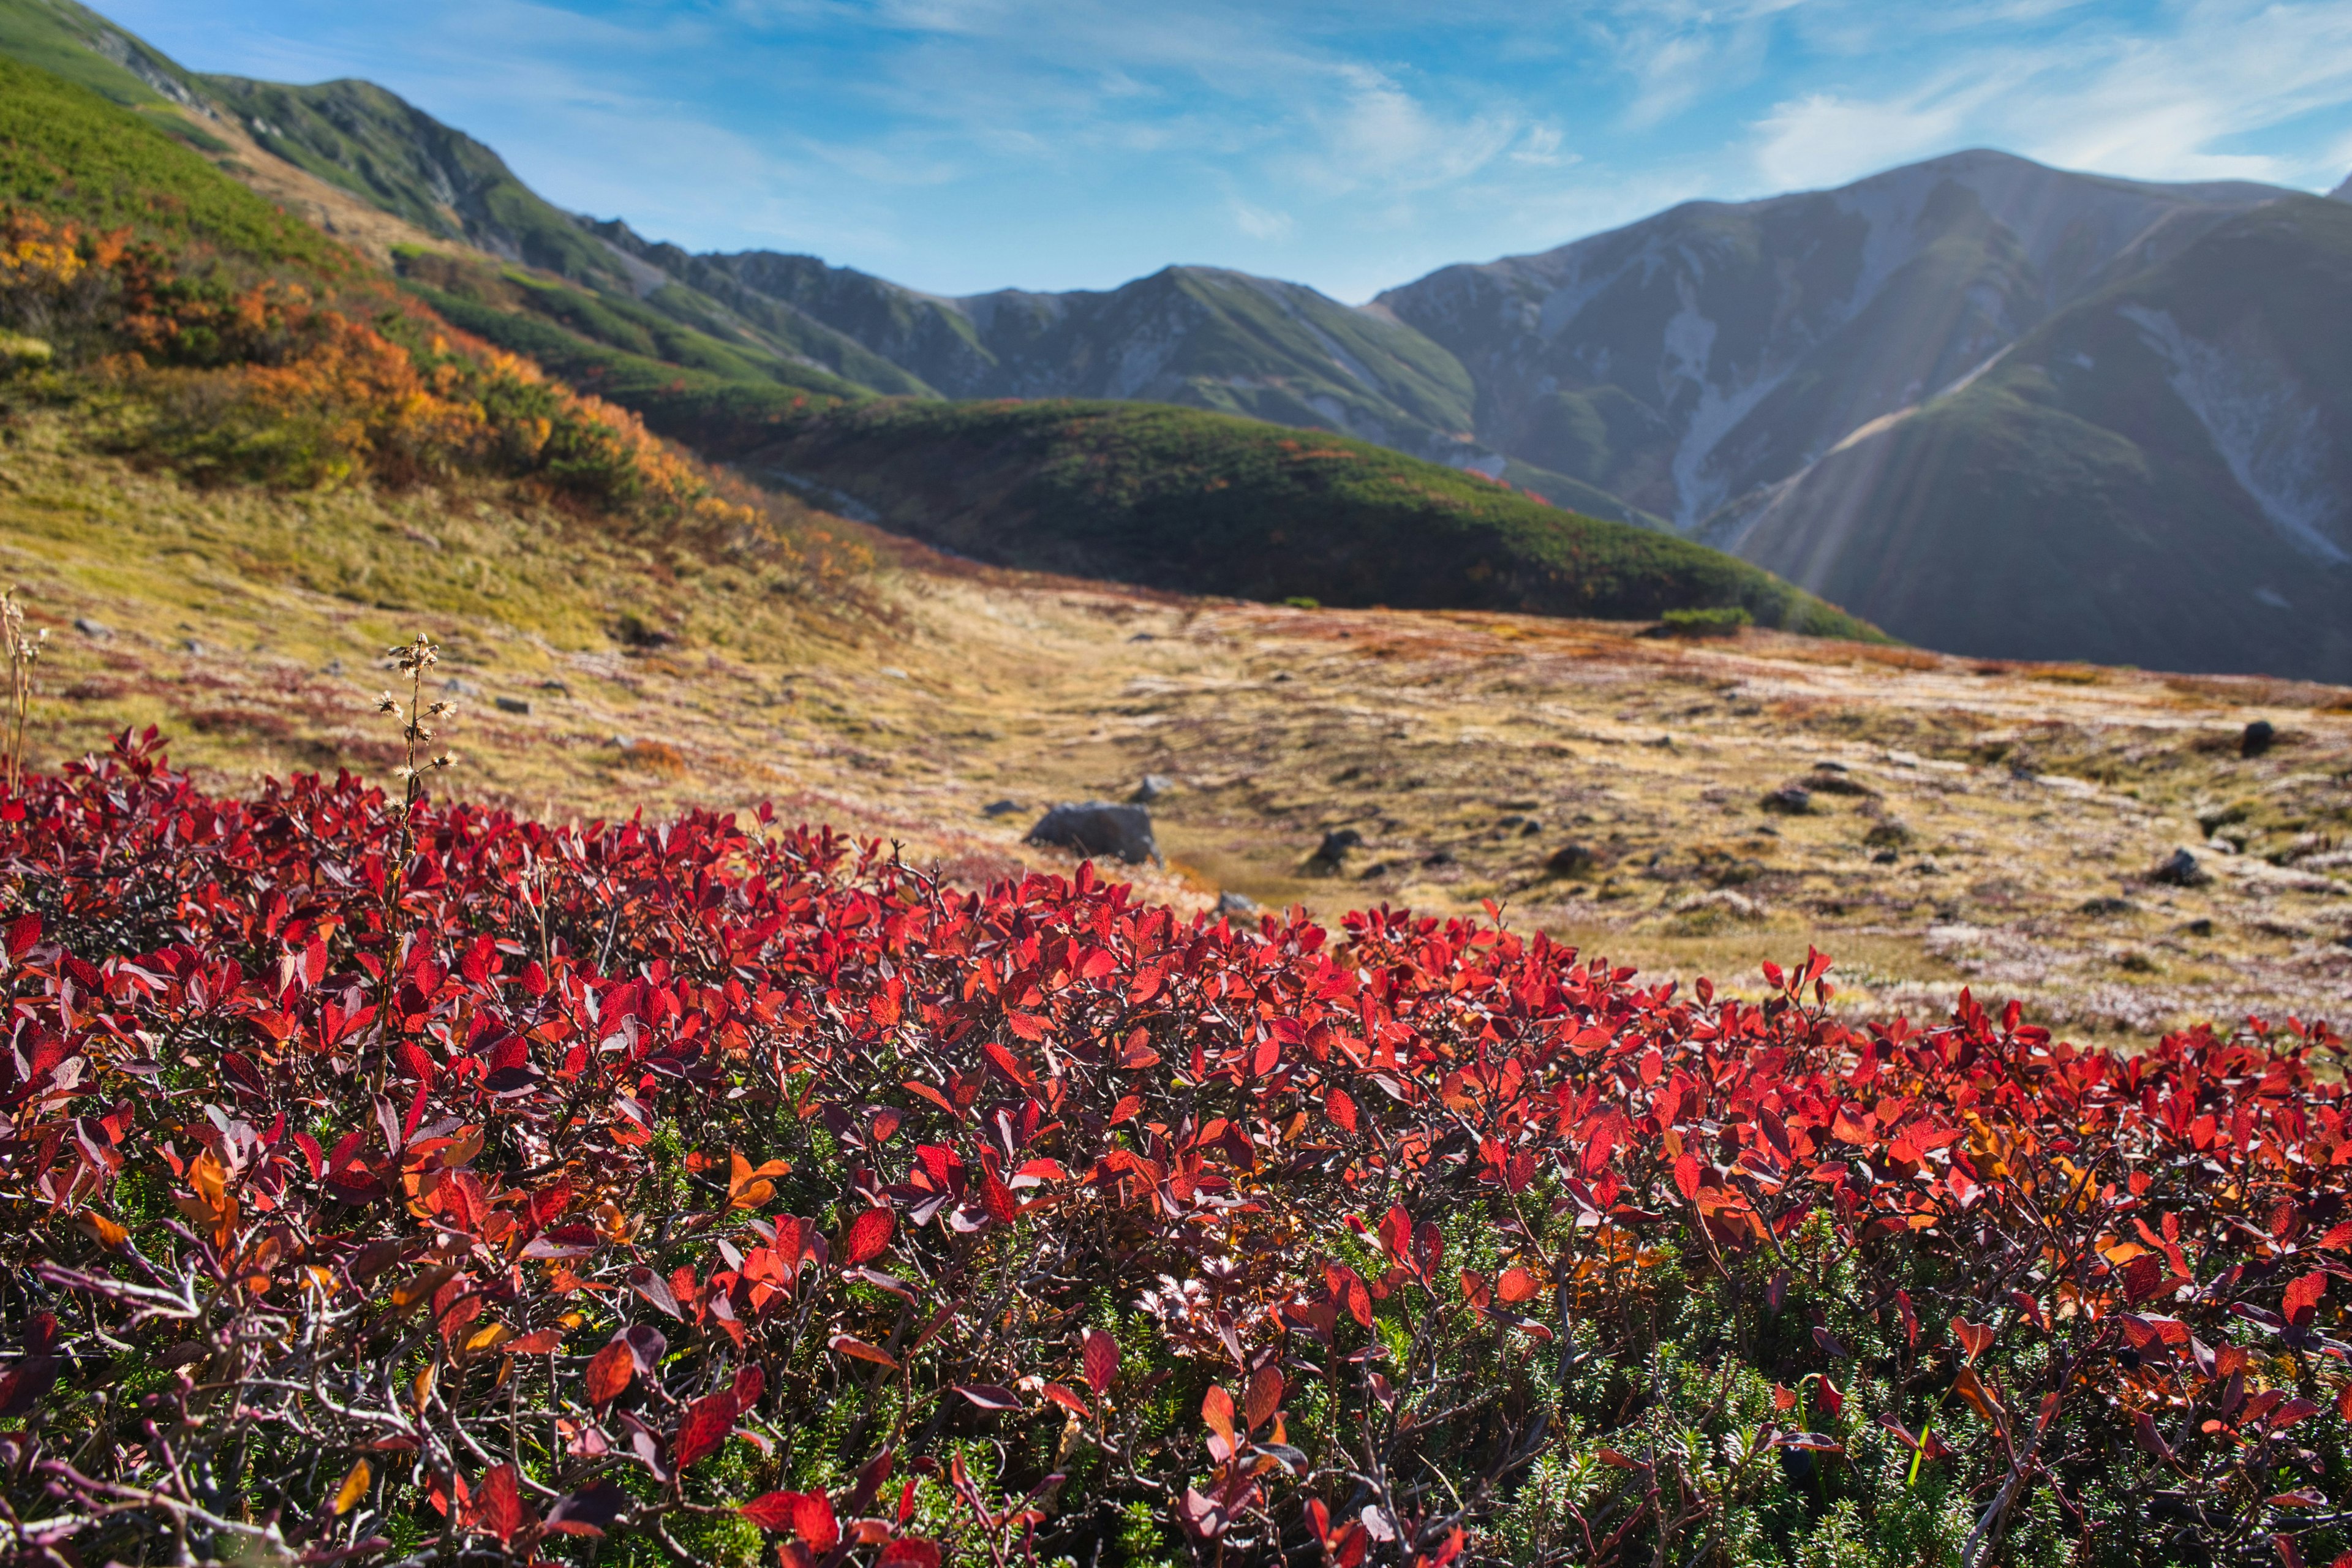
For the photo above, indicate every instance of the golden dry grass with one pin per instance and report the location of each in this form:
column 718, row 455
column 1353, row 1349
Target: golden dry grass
column 1467, row 750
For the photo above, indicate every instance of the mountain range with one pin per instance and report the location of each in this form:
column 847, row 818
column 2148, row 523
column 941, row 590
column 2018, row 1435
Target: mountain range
column 1993, row 408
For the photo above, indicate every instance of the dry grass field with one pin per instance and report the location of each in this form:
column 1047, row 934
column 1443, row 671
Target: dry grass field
column 1962, row 823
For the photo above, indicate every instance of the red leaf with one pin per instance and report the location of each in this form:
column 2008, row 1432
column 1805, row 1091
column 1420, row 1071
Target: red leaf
column 1517, row 1285
column 771, row 1510
column 1003, row 1206
column 2303, row 1296
column 814, row 1522
column 1975, row 1338
column 1068, row 1400
column 498, row 1503
column 908, row 1551
column 708, row 1421
column 609, row 1371
column 1340, row 1109
column 1265, row 1395
column 1347, row 1288
column 1686, row 1177
column 654, row 1289
column 988, row 1396
column 1396, row 1235
column 870, row 1234
column 1101, row 1361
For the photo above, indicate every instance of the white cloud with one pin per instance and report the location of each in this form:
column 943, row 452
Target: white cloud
column 1826, row 141
column 1262, row 223
column 1540, row 148
column 2154, row 106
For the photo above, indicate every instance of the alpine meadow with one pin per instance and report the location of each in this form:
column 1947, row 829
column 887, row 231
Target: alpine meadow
column 1678, row 901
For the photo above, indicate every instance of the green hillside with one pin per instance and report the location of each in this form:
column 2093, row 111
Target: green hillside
column 77, row 44
column 1201, row 502
column 68, row 152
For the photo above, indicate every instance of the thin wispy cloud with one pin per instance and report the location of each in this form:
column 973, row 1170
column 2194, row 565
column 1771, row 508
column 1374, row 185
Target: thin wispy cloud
column 966, row 144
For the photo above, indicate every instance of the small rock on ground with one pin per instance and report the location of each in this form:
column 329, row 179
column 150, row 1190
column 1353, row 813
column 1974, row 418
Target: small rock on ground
column 1099, row 828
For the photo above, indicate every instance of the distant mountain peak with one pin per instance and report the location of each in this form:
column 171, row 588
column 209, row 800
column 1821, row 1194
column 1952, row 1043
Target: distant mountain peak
column 2343, row 193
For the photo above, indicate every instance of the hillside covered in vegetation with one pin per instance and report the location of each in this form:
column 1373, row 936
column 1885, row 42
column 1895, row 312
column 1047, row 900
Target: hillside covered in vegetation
column 1212, row 504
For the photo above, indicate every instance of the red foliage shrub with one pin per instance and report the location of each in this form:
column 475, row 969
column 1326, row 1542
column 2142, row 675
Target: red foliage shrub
column 692, row 1186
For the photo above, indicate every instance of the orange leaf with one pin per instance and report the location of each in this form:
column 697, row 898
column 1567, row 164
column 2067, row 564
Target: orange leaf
column 610, row 1373
column 845, row 1345
column 1217, row 1410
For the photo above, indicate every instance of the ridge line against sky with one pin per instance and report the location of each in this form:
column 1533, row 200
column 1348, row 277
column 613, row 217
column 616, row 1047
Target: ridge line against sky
column 962, row 146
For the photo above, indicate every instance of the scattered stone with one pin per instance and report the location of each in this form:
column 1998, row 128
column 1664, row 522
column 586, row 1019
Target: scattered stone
column 1231, row 903
column 2221, row 846
column 619, row 742
column 999, row 808
column 1530, row 827
column 1438, row 858
column 2180, row 869
column 1928, row 866
column 1377, row 868
column 1888, row 835
column 512, row 704
column 2201, row 926
column 458, row 686
column 93, row 628
column 1570, row 860
column 1334, row 849
column 555, row 686
column 2259, row 737
column 895, row 673
column 1788, row 801
column 1099, row 828
column 1883, row 857
column 194, row 647
column 1146, row 637
column 1830, row 779
column 333, row 666
column 1153, row 787
column 2106, row 906
column 1282, row 675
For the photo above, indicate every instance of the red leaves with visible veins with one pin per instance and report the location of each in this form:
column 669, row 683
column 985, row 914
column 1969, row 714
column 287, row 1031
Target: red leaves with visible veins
column 705, row 1428
column 869, row 1235
column 1101, row 1358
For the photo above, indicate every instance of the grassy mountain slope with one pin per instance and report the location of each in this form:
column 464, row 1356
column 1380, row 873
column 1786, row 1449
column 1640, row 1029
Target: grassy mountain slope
column 2154, row 476
column 372, row 145
column 1206, row 503
column 66, row 152
column 72, row 41
column 1195, row 336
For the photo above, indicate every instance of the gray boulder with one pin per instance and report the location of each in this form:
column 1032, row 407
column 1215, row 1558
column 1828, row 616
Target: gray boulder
column 2180, row 869
column 1099, row 828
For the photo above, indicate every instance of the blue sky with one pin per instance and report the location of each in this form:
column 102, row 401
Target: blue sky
column 958, row 146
